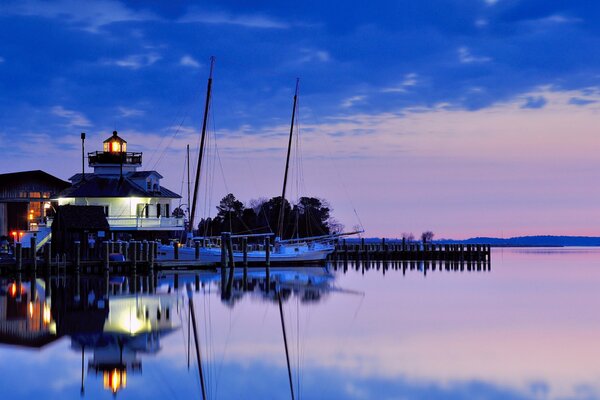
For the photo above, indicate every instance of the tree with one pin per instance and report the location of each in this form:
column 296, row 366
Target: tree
column 408, row 237
column 229, row 205
column 178, row 212
column 311, row 215
column 427, row 237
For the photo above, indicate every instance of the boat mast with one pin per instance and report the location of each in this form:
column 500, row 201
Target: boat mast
column 287, row 163
column 287, row 354
column 188, row 180
column 201, row 151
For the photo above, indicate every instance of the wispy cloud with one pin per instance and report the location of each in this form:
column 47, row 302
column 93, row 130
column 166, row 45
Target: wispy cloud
column 350, row 101
column 408, row 81
column 466, row 57
column 74, row 118
column 310, row 55
column 579, row 101
column 534, row 102
column 189, row 61
column 135, row 61
column 558, row 19
column 90, row 16
column 481, row 22
column 247, row 21
column 130, row 112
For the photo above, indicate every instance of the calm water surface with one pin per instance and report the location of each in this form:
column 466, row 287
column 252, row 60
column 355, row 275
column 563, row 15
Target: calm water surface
column 529, row 328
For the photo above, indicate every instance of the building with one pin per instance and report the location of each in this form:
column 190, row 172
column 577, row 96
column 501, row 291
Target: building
column 25, row 200
column 135, row 203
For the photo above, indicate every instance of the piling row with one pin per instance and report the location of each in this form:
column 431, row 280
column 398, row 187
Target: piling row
column 410, row 251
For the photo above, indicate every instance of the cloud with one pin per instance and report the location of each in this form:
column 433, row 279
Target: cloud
column 409, row 81
column 1, row 60
column 90, row 16
column 135, row 61
column 465, row 56
column 481, row 22
column 534, row 102
column 578, row 101
column 130, row 112
column 247, row 21
column 350, row 101
column 558, row 19
column 189, row 61
column 75, row 118
column 310, row 55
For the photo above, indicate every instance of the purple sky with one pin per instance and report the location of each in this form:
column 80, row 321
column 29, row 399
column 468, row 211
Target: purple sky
column 467, row 119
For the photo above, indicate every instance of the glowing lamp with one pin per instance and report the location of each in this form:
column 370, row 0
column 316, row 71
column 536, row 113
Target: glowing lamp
column 115, row 380
column 115, row 144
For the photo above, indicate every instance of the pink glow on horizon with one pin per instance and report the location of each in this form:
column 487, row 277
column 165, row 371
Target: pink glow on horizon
column 502, row 171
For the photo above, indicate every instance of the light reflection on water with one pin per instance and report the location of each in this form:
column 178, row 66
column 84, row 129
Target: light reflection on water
column 526, row 329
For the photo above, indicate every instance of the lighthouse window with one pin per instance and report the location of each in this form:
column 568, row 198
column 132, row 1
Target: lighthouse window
column 167, row 211
column 158, row 210
column 148, row 185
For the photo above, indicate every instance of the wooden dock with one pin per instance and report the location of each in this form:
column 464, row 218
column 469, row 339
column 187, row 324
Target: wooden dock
column 397, row 250
column 120, row 257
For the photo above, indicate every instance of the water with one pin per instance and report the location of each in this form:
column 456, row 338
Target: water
column 526, row 329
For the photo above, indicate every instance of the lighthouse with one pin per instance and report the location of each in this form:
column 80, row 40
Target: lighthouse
column 134, row 201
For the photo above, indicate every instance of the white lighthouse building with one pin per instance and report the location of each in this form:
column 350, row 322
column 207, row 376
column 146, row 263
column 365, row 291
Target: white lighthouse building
column 133, row 201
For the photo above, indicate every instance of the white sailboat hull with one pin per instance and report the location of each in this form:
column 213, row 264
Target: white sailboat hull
column 283, row 255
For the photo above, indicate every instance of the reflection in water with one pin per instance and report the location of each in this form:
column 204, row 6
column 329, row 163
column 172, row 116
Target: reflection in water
column 118, row 320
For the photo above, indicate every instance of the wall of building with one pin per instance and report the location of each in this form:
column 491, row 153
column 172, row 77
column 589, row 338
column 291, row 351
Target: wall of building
column 124, row 207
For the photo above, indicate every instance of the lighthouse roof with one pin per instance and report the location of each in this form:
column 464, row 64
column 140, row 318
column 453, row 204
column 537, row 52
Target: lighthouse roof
column 113, row 186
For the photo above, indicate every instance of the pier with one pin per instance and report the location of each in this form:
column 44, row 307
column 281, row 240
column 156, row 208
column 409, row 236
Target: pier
column 124, row 256
column 402, row 250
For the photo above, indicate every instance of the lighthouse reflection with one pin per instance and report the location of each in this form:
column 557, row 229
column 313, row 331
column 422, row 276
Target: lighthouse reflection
column 115, row 321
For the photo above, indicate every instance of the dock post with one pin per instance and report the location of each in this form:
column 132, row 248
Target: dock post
column 223, row 260
column 176, row 250
column 232, row 265
column 196, row 250
column 268, row 262
column 145, row 252
column 105, row 256
column 134, row 260
column 19, row 255
column 48, row 255
column 33, row 244
column 77, row 255
column 151, row 255
column 245, row 262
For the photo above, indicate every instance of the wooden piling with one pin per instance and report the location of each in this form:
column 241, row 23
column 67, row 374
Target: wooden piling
column 48, row 254
column 106, row 257
column 19, row 255
column 77, row 255
column 268, row 262
column 245, row 262
column 134, row 260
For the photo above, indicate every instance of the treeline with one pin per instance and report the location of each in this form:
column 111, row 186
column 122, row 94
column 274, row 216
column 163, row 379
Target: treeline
column 310, row 216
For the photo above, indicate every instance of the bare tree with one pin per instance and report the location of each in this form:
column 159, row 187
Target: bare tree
column 427, row 237
column 408, row 237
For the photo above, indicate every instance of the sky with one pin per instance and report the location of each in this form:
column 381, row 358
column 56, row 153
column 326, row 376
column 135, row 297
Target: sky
column 465, row 117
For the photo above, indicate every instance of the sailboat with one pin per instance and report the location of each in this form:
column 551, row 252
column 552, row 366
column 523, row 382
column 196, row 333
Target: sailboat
column 299, row 250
